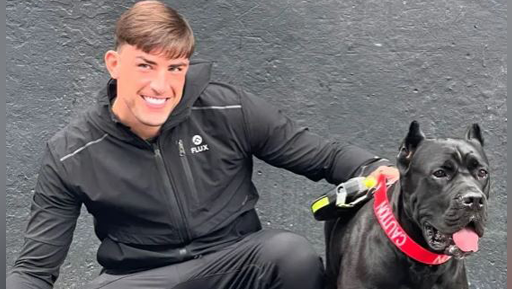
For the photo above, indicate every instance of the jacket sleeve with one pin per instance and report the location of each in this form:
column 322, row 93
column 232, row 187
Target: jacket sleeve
column 277, row 140
column 53, row 216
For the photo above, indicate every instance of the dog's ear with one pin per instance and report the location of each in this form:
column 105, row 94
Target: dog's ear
column 475, row 133
column 413, row 139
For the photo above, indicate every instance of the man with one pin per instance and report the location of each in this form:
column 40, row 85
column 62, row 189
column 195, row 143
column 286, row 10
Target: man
column 164, row 162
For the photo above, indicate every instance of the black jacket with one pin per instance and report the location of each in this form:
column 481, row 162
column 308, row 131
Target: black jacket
column 187, row 192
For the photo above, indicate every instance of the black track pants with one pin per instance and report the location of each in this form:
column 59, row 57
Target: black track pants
column 265, row 259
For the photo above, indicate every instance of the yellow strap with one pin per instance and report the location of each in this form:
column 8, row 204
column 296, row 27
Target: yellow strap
column 320, row 203
column 370, row 182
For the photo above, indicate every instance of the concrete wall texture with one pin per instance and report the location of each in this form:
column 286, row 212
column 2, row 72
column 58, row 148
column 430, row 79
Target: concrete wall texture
column 353, row 71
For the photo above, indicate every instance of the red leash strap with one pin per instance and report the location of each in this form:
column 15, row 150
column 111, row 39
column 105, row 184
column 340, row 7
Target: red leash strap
column 396, row 233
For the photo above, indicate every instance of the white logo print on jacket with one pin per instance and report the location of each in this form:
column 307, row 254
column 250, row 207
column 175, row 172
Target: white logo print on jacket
column 198, row 140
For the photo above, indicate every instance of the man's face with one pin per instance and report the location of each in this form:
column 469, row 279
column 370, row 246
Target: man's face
column 149, row 87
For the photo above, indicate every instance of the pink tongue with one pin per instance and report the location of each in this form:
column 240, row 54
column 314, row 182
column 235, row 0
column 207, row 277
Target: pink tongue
column 466, row 239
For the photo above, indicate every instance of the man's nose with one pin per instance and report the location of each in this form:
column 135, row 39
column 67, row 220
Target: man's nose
column 472, row 200
column 160, row 83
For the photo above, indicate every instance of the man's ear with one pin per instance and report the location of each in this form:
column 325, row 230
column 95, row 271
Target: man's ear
column 409, row 145
column 475, row 133
column 112, row 63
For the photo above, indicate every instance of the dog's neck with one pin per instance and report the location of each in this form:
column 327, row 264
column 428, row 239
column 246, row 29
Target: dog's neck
column 423, row 274
column 395, row 195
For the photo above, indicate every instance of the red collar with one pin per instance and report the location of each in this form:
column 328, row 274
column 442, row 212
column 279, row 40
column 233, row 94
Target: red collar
column 396, row 233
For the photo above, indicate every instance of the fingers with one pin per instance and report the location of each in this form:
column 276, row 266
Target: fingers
column 392, row 174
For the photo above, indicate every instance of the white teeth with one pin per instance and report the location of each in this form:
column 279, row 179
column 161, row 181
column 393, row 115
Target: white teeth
column 153, row 100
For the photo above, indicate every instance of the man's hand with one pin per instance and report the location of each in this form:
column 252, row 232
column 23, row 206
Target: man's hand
column 391, row 173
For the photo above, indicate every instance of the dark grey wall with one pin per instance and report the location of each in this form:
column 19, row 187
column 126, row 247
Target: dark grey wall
column 355, row 71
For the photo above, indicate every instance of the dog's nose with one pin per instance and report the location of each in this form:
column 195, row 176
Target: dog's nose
column 472, row 200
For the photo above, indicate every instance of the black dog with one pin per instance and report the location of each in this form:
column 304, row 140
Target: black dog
column 440, row 203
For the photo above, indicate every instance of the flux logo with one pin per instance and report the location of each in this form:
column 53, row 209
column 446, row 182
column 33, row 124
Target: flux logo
column 197, row 140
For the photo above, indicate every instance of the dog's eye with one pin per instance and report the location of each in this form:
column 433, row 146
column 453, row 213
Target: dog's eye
column 482, row 173
column 440, row 174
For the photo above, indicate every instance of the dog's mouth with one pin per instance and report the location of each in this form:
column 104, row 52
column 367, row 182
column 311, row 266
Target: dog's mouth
column 458, row 244
column 435, row 239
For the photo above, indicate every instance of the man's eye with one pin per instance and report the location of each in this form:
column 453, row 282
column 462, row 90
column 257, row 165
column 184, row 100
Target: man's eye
column 144, row 65
column 175, row 69
column 440, row 173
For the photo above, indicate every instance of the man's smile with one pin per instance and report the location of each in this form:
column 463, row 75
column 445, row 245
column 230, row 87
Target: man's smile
column 156, row 102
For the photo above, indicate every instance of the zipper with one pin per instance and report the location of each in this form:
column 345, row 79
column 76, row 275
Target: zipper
column 170, row 194
column 181, row 148
column 172, row 197
column 186, row 166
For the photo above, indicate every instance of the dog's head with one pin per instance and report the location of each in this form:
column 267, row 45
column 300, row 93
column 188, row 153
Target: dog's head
column 445, row 186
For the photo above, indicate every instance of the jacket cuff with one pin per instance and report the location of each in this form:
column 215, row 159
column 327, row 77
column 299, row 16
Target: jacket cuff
column 369, row 167
column 357, row 162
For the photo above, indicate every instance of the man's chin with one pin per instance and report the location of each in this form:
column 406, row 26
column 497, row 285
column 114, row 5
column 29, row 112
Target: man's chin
column 153, row 121
column 147, row 128
column 153, row 124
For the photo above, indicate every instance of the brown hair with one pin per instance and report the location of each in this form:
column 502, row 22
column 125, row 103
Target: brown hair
column 154, row 27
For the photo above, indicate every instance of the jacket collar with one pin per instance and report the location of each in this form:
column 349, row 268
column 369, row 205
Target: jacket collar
column 197, row 78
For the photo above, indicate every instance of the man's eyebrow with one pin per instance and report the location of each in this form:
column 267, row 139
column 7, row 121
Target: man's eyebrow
column 146, row 60
column 178, row 64
column 154, row 63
